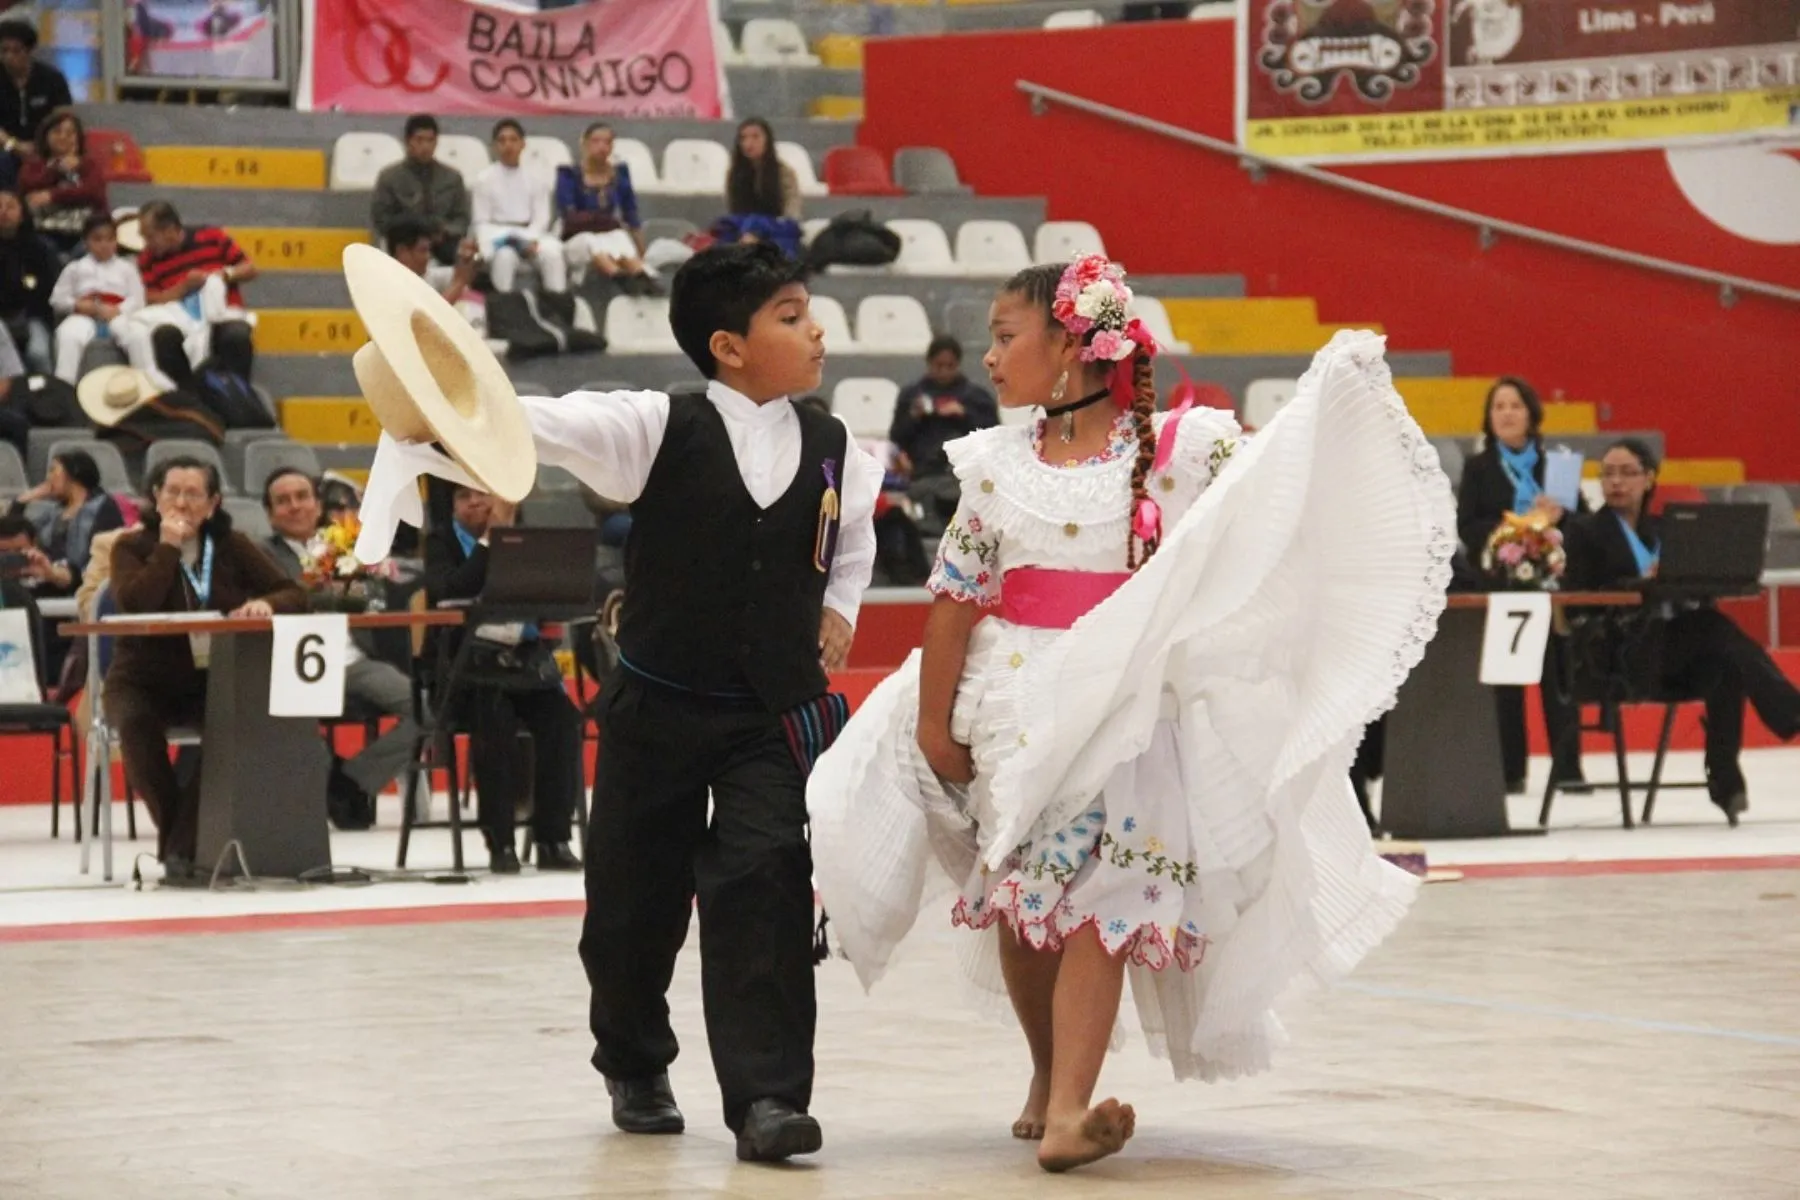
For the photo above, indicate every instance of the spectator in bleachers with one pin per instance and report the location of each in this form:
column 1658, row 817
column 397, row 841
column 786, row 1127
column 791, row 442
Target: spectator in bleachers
column 186, row 558
column 410, row 243
column 598, row 206
column 515, row 685
column 762, row 193
column 1507, row 475
column 32, row 90
column 92, row 294
column 421, row 186
column 27, row 273
column 512, row 216
column 15, row 416
column 936, row 410
column 67, row 528
column 1703, row 651
column 371, row 686
column 64, row 187
column 192, row 285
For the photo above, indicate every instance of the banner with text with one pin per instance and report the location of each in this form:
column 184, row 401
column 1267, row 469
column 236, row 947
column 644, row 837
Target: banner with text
column 625, row 58
column 1375, row 80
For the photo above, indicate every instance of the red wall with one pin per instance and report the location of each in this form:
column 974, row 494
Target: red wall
column 1659, row 352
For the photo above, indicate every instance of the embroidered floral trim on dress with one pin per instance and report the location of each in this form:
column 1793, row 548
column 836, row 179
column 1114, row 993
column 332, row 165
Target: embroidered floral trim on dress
column 971, row 578
column 1049, row 927
column 1122, row 441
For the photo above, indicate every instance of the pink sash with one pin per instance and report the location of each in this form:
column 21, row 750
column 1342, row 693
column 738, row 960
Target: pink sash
column 1049, row 599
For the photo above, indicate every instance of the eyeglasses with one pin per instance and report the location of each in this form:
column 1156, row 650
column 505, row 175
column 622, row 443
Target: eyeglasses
column 1622, row 472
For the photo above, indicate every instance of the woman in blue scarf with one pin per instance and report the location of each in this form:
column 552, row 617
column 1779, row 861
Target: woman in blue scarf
column 1508, row 476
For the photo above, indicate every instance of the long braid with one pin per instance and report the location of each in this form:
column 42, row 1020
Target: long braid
column 1143, row 409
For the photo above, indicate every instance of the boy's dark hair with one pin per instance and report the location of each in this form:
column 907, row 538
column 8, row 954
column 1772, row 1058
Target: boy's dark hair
column 721, row 288
column 409, row 229
column 22, row 32
column 12, row 527
column 943, row 343
column 98, row 221
column 80, row 467
column 503, row 124
column 421, row 123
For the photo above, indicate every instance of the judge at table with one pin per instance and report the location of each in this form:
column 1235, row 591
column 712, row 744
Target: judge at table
column 186, row 558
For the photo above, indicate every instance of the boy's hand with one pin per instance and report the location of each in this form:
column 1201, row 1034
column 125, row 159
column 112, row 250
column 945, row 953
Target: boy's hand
column 948, row 758
column 835, row 636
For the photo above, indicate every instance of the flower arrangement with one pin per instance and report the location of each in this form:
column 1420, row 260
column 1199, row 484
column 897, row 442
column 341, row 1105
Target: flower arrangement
column 1092, row 298
column 1526, row 552
column 332, row 569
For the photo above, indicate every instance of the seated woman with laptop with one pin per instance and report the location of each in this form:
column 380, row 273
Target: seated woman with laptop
column 1704, row 652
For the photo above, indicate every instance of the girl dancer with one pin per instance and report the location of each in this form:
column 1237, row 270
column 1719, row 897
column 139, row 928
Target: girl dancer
column 1138, row 767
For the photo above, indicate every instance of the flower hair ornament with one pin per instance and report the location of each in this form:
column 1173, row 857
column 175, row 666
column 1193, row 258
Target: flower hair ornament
column 1093, row 303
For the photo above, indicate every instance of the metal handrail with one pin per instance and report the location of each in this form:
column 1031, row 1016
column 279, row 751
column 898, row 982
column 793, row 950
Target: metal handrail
column 1730, row 286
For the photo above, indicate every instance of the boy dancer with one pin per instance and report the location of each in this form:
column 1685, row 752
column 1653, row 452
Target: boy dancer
column 752, row 540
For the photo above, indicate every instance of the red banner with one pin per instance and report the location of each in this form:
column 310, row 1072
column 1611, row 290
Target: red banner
column 626, row 58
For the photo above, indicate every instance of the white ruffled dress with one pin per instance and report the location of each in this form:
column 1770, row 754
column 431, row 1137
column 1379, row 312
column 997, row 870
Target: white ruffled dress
column 1173, row 769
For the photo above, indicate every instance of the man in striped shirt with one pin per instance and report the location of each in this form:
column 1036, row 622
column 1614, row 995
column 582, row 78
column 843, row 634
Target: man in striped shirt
column 191, row 281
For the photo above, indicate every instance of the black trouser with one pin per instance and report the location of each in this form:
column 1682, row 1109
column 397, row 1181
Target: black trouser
column 498, row 759
column 1706, row 654
column 650, row 853
column 1561, row 719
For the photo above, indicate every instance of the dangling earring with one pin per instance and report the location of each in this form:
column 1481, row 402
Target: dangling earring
column 1056, row 397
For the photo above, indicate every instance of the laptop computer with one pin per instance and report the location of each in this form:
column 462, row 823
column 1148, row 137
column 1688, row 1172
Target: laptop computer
column 1711, row 550
column 539, row 574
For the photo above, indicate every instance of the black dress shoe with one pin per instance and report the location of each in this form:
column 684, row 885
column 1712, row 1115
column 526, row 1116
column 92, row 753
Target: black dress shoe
column 775, row 1131
column 503, row 859
column 556, row 856
column 645, row 1105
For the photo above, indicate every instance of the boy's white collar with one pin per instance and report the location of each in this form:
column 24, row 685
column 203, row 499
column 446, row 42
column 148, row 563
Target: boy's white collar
column 738, row 406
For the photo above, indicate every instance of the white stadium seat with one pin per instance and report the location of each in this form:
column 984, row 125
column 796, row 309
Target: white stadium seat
column 728, row 51
column 1264, row 398
column 812, row 227
column 358, row 158
column 1155, row 317
column 467, row 154
column 836, row 323
column 991, row 248
column 796, row 156
column 1061, row 241
column 544, row 154
column 866, row 405
column 893, row 325
column 775, row 42
column 924, row 248
column 695, row 167
column 645, row 178
column 639, row 325
column 1074, row 18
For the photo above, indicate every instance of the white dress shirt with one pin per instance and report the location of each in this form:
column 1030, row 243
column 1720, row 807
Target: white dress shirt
column 512, row 196
column 609, row 441
column 116, row 280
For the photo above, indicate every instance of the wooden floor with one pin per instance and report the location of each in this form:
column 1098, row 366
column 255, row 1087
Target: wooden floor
column 1526, row 1039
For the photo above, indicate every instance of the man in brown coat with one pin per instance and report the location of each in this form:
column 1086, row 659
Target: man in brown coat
column 186, row 558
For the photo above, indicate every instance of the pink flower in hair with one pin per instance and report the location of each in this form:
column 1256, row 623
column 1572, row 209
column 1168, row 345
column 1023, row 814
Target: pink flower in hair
column 1106, row 345
column 1093, row 301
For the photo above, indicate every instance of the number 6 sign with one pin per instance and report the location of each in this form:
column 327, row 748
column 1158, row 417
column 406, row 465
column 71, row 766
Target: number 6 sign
column 1512, row 646
column 306, row 671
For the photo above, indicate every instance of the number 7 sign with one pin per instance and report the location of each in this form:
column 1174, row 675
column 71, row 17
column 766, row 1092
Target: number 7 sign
column 306, row 670
column 1512, row 646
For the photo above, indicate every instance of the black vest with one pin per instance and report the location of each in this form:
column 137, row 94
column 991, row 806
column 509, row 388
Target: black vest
column 725, row 597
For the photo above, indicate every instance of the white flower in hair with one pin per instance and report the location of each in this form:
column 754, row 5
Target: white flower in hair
column 1094, row 300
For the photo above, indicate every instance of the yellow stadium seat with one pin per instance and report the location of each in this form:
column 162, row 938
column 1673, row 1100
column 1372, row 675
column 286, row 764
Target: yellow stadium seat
column 296, row 249
column 331, row 419
column 235, row 167
column 1696, row 472
column 309, row 330
column 837, row 108
column 840, row 50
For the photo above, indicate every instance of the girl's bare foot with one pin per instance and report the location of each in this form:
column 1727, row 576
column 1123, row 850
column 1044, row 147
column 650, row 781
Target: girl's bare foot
column 1101, row 1130
column 1030, row 1125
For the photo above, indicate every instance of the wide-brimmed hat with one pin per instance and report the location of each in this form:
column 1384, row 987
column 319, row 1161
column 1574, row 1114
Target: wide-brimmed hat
column 110, row 394
column 130, row 232
column 429, row 377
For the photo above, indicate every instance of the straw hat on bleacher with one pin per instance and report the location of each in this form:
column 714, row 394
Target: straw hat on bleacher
column 429, row 377
column 110, row 394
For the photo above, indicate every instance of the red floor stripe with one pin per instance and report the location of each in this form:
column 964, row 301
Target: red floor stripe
column 351, row 918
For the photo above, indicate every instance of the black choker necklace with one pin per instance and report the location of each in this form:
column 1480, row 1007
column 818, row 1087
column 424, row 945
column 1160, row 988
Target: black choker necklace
column 1067, row 411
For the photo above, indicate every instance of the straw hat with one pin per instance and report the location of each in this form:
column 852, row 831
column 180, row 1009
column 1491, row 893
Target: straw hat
column 110, row 394
column 131, row 234
column 429, row 377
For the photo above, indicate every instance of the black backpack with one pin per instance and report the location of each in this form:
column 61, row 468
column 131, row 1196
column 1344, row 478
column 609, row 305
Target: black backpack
column 853, row 239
